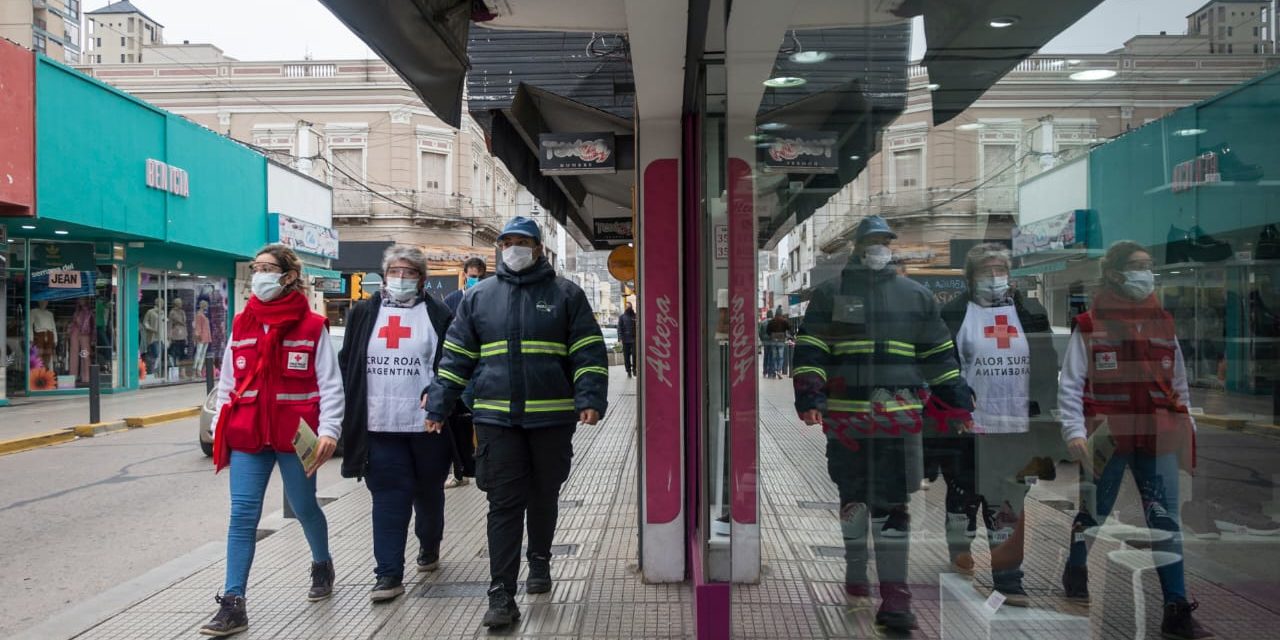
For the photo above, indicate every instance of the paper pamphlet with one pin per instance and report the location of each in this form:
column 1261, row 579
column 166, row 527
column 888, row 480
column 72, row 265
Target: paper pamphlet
column 1103, row 447
column 305, row 444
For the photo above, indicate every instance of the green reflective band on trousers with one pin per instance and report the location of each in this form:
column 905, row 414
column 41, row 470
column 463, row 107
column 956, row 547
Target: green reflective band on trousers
column 938, row 349
column 813, row 342
column 548, row 406
column 950, row 375
column 543, row 348
column 585, row 370
column 460, row 350
column 453, row 377
column 818, row 371
column 589, row 340
column 493, row 349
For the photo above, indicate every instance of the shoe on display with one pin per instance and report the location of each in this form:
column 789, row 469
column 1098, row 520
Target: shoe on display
column 1075, row 584
column 897, row 524
column 1015, row 595
column 1179, row 625
column 1251, row 523
column 230, row 619
column 1196, row 517
column 963, row 564
column 322, row 577
column 428, row 559
column 895, row 609
column 387, row 588
column 722, row 526
column 503, row 611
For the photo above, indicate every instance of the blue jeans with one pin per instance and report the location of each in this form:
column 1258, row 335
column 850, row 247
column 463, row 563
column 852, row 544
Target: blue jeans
column 249, row 475
column 1157, row 478
column 406, row 474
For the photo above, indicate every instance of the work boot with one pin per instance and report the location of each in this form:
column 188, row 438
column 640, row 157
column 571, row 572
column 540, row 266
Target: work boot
column 230, row 619
column 322, row 577
column 1075, row 583
column 1179, row 625
column 387, row 588
column 895, row 608
column 503, row 611
column 428, row 559
column 539, row 580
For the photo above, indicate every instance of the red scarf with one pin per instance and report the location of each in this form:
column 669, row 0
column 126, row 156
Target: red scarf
column 1111, row 307
column 280, row 315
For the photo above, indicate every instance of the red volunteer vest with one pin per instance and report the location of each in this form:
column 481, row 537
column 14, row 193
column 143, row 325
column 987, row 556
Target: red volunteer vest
column 258, row 422
column 1130, row 380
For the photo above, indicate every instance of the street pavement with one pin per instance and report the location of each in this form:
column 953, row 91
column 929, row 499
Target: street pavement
column 79, row 518
column 27, row 416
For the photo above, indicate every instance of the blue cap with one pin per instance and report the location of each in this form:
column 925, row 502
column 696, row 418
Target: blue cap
column 872, row 225
column 522, row 226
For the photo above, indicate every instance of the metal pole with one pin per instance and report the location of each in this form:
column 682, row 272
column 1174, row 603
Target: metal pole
column 95, row 385
column 208, row 375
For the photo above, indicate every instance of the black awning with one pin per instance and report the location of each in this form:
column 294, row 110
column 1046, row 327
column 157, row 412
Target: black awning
column 966, row 55
column 425, row 41
column 358, row 256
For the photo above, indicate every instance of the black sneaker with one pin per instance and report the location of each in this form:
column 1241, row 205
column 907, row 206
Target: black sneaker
column 230, row 619
column 539, row 580
column 1179, row 625
column 1075, row 583
column 322, row 577
column 428, row 559
column 503, row 611
column 898, row 524
column 387, row 588
column 895, row 609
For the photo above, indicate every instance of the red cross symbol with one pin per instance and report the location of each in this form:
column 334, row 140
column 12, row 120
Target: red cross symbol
column 393, row 332
column 297, row 358
column 1002, row 332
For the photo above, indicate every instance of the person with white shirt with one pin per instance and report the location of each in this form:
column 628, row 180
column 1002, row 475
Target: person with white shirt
column 1006, row 354
column 390, row 352
column 1123, row 397
column 279, row 371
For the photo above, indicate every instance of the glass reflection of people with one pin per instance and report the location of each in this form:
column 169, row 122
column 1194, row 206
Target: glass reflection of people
column 44, row 333
column 1123, row 396
column 778, row 330
column 80, row 339
column 870, row 343
column 1006, row 356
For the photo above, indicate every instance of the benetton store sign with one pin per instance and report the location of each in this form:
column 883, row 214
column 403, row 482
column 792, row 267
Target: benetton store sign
column 169, row 178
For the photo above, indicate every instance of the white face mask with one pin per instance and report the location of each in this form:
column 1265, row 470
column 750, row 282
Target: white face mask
column 991, row 289
column 517, row 258
column 266, row 286
column 877, row 257
column 1138, row 284
column 402, row 289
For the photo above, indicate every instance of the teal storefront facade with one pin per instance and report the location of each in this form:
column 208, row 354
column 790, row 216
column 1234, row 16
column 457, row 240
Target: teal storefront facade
column 140, row 219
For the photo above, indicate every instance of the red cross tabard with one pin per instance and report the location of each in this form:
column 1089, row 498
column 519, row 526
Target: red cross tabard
column 393, row 332
column 1002, row 332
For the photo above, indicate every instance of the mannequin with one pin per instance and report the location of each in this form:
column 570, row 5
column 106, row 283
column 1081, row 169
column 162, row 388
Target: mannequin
column 81, row 340
column 44, row 333
column 177, row 332
column 152, row 327
column 203, row 335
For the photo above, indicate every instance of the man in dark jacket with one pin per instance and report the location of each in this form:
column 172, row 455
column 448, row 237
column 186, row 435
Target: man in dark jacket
column 627, row 336
column 870, row 344
column 529, row 345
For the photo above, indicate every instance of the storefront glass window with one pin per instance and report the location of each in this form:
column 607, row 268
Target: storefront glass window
column 182, row 320
column 61, row 316
column 16, row 357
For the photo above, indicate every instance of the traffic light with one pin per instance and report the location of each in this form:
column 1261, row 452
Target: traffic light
column 356, row 292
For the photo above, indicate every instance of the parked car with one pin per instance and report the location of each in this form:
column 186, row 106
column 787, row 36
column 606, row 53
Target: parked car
column 207, row 414
column 610, row 338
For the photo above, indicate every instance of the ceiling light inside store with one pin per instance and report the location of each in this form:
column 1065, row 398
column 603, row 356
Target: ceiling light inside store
column 855, row 157
column 1003, row 21
column 810, row 57
column 185, row 275
column 782, row 82
column 1089, row 75
column 62, row 232
column 1073, row 62
column 773, row 126
column 1187, row 133
column 970, row 126
column 933, row 86
column 28, row 227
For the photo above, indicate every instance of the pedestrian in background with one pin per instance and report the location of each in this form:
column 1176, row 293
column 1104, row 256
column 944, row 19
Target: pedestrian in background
column 461, row 428
column 278, row 369
column 1123, row 398
column 389, row 356
column 778, row 330
column 528, row 342
column 1006, row 354
column 627, row 336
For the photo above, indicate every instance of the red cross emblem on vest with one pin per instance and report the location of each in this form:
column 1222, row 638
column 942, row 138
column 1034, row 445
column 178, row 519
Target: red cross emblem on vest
column 1002, row 332
column 393, row 332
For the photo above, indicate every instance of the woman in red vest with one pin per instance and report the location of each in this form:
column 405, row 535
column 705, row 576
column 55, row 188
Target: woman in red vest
column 1123, row 396
column 278, row 371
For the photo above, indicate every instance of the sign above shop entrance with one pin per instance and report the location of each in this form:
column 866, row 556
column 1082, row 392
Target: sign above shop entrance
column 612, row 229
column 168, row 178
column 576, row 153
column 302, row 236
column 799, row 152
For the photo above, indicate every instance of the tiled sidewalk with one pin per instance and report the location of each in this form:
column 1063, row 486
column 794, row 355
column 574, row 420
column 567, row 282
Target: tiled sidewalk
column 599, row 594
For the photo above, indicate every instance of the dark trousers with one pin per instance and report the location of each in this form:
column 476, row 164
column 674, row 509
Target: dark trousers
column 461, row 437
column 521, row 471
column 406, row 474
column 872, row 483
column 629, row 357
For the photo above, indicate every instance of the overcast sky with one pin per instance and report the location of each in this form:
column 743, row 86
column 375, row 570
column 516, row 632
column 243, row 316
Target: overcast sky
column 289, row 29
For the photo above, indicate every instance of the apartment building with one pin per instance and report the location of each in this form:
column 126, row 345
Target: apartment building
column 944, row 188
column 118, row 34
column 50, row 27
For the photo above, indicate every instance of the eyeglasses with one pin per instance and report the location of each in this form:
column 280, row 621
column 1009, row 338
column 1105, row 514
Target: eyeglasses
column 1000, row 270
column 1139, row 265
column 403, row 272
column 265, row 267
